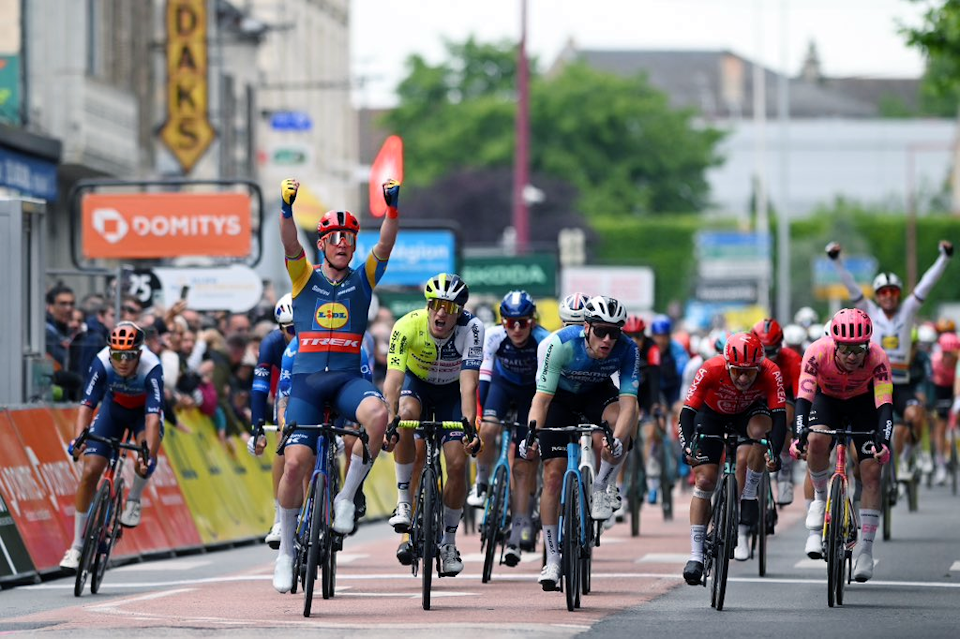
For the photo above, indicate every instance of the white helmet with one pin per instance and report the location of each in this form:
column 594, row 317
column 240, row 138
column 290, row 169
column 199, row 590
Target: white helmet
column 816, row 331
column 604, row 309
column 283, row 311
column 884, row 280
column 806, row 316
column 794, row 335
column 571, row 308
column 926, row 334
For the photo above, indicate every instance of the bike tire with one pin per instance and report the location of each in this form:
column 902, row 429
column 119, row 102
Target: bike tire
column 635, row 488
column 112, row 532
column 729, row 538
column 713, row 543
column 570, row 546
column 317, row 492
column 666, row 478
column 835, row 545
column 913, row 496
column 490, row 529
column 952, row 442
column 886, row 485
column 763, row 491
column 428, row 486
column 91, row 537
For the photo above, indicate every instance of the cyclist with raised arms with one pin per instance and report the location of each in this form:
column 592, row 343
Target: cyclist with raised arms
column 126, row 381
column 788, row 361
column 742, row 389
column 508, row 380
column 846, row 380
column 433, row 367
column 892, row 323
column 574, row 379
column 330, row 305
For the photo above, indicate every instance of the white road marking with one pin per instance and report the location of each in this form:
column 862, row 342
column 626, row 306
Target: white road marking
column 663, row 558
column 819, row 564
column 164, row 566
column 113, row 607
column 955, row 567
column 434, row 594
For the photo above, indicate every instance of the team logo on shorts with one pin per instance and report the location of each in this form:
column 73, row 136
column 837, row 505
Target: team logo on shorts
column 332, row 315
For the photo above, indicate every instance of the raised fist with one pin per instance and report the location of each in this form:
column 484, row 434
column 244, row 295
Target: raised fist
column 833, row 250
column 946, row 248
column 288, row 190
column 391, row 193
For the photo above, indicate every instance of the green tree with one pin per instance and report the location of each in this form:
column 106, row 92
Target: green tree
column 615, row 139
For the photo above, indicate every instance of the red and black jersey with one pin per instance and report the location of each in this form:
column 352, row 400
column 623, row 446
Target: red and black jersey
column 789, row 362
column 712, row 386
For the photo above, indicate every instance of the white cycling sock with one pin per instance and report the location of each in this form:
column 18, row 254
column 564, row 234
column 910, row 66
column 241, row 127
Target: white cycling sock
column 697, row 533
column 288, row 528
column 483, row 473
column 451, row 520
column 607, row 470
column 750, row 485
column 869, row 522
column 355, row 476
column 276, row 512
column 404, row 474
column 79, row 523
column 516, row 529
column 906, row 452
column 550, row 543
column 819, row 479
column 139, row 483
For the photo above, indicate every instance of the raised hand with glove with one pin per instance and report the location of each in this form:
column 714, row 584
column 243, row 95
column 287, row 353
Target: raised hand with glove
column 391, row 195
column 288, row 194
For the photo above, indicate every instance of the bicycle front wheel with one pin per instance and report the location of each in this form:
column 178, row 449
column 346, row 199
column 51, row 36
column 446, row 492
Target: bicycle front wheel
column 635, row 485
column 836, row 550
column 490, row 533
column 431, row 529
column 763, row 493
column 886, row 498
column 316, row 510
column 570, row 546
column 728, row 540
column 111, row 532
column 328, row 570
column 952, row 442
column 91, row 537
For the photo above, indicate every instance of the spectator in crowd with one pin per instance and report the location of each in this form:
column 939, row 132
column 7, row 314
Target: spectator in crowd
column 99, row 325
column 238, row 324
column 131, row 309
column 60, row 305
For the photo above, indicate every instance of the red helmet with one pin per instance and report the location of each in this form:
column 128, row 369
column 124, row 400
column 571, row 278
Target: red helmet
column 949, row 343
column 769, row 332
column 634, row 325
column 337, row 221
column 946, row 325
column 126, row 336
column 744, row 350
column 851, row 326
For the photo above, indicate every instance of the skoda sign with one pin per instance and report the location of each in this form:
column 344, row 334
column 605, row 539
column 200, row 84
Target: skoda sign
column 536, row 274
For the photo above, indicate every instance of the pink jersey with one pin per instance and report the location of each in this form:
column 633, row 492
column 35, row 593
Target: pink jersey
column 820, row 368
column 943, row 372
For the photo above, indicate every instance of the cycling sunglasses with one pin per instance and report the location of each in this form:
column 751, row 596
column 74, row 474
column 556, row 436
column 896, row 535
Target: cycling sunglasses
column 336, row 237
column 289, row 329
column 743, row 370
column 452, row 308
column 602, row 332
column 852, row 349
column 124, row 356
column 517, row 323
column 771, row 351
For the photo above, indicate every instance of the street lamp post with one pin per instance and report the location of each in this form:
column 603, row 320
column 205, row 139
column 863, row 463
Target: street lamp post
column 521, row 159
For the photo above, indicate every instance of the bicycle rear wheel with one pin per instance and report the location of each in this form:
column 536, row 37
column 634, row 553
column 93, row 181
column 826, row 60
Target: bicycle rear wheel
column 91, row 537
column 111, row 533
column 886, row 486
column 952, row 443
column 428, row 492
column 490, row 531
column 729, row 541
column 835, row 543
column 570, row 546
column 316, row 509
column 667, row 475
column 635, row 485
column 763, row 494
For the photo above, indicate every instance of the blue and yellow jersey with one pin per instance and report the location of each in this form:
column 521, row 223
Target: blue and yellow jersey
column 331, row 317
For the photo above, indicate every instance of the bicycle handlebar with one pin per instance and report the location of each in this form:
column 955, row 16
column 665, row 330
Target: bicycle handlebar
column 326, row 429
column 741, row 440
column 463, row 424
column 604, row 428
column 142, row 450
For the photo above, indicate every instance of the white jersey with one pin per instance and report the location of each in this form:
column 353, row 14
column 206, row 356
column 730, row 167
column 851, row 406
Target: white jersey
column 892, row 333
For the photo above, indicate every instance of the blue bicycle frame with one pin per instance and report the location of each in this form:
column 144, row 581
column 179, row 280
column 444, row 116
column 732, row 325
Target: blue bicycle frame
column 573, row 466
column 506, row 440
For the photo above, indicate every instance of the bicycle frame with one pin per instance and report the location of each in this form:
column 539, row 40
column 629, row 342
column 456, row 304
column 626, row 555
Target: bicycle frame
column 503, row 461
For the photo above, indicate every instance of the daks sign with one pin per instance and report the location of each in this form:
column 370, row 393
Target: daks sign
column 155, row 225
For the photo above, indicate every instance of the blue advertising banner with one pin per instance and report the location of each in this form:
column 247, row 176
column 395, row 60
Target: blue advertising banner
column 417, row 256
column 29, row 175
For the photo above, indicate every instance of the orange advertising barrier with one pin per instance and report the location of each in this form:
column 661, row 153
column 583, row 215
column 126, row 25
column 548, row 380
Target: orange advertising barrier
column 154, row 225
column 33, row 510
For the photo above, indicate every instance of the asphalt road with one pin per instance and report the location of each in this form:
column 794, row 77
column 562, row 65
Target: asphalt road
column 637, row 591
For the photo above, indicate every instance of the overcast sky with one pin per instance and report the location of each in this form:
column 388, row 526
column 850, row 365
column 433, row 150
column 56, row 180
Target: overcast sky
column 854, row 37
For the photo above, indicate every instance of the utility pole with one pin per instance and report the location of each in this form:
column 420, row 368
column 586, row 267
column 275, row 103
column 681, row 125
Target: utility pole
column 521, row 158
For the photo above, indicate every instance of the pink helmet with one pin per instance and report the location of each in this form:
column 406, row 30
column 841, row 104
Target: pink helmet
column 949, row 343
column 851, row 326
column 744, row 350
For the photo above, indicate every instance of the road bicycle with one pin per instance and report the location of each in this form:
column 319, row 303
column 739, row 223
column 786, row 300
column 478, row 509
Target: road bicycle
column 766, row 522
column 635, row 485
column 426, row 529
column 720, row 540
column 316, row 544
column 663, row 464
column 888, row 498
column 578, row 533
column 840, row 521
column 952, row 463
column 103, row 529
column 495, row 525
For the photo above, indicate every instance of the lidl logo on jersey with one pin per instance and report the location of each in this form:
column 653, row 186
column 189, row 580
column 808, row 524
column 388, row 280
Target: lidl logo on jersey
column 332, row 315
